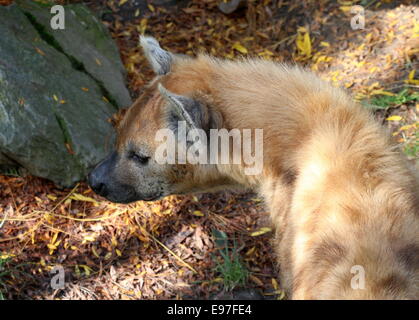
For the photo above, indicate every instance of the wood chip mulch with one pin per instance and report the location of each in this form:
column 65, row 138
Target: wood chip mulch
column 165, row 249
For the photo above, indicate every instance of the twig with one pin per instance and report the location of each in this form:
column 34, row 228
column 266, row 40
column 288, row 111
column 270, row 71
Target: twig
column 6, row 213
column 81, row 219
column 20, row 236
column 66, row 197
column 173, row 254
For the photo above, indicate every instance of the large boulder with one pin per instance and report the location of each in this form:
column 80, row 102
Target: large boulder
column 86, row 41
column 57, row 91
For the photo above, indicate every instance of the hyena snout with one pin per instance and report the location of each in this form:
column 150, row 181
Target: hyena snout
column 102, row 181
column 98, row 178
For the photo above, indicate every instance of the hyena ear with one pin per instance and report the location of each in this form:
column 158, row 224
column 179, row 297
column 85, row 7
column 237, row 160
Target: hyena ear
column 160, row 60
column 183, row 108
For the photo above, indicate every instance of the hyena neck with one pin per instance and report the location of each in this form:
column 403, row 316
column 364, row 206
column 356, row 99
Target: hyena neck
column 303, row 118
column 235, row 101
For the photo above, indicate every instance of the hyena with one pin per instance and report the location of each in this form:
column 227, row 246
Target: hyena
column 343, row 200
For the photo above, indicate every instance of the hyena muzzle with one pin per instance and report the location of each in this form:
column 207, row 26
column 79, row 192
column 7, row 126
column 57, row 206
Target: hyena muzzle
column 343, row 200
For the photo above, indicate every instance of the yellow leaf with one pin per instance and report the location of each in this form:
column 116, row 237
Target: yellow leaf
column 143, row 26
column 325, row 44
column 303, row 43
column 382, row 92
column 406, row 127
column 256, row 280
column 52, row 197
column 115, row 242
column 345, row 8
column 266, row 54
column 5, row 256
column 250, row 251
column 359, row 96
column 55, row 97
column 345, row 2
column 261, row 231
column 108, row 255
column 412, row 74
column 349, row 84
column 239, row 47
column 54, row 237
column 281, row 294
column 198, row 213
column 274, row 284
column 95, row 252
column 88, row 238
column 52, row 247
column 77, row 270
column 394, row 118
column 80, row 197
column 87, row 269
column 361, row 63
column 118, row 252
column 411, row 78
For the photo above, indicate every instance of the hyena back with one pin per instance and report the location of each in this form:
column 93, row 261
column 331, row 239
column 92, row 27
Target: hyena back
column 344, row 202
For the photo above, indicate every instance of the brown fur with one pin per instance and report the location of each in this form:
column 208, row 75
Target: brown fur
column 339, row 193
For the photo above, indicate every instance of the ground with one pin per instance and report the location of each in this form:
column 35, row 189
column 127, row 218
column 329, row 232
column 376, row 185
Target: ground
column 176, row 247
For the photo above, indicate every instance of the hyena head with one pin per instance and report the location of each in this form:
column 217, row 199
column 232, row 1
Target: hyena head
column 133, row 171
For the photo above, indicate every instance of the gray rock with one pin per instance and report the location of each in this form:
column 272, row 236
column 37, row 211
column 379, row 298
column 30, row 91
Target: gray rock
column 230, row 6
column 48, row 123
column 86, row 40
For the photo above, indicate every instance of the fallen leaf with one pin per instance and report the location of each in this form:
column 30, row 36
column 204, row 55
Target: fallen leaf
column 394, row 118
column 261, row 231
column 80, row 197
column 239, row 47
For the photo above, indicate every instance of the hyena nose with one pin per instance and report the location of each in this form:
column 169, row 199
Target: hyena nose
column 99, row 178
column 96, row 184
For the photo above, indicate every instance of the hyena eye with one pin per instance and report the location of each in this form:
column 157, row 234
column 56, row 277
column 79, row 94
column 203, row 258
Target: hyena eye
column 138, row 158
